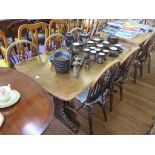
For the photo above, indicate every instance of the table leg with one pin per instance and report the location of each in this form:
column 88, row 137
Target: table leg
column 61, row 115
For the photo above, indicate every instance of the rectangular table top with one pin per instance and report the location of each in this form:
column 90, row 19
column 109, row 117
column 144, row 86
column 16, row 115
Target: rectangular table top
column 65, row 86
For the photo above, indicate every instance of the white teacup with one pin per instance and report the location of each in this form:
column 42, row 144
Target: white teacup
column 5, row 93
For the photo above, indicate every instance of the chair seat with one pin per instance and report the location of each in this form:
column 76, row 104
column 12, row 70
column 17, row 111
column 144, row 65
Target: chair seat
column 3, row 63
column 83, row 96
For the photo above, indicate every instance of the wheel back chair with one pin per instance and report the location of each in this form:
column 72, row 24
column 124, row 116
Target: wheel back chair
column 24, row 51
column 125, row 69
column 59, row 26
column 144, row 56
column 98, row 92
column 54, row 41
column 38, row 33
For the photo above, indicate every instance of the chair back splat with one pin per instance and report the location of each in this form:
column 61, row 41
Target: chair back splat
column 21, row 51
column 55, row 41
column 59, row 26
column 34, row 31
column 101, row 87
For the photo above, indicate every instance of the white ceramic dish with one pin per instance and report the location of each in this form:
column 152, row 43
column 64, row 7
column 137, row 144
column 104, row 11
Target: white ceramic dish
column 5, row 93
column 14, row 97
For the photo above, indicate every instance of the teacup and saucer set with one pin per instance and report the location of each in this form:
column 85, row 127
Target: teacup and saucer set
column 8, row 97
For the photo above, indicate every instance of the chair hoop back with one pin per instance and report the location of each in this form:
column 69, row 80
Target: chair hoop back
column 21, row 51
column 55, row 41
column 103, row 83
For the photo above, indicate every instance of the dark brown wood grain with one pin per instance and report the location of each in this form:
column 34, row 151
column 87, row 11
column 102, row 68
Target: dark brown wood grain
column 33, row 112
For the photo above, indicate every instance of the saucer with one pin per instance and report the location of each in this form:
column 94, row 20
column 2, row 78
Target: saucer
column 14, row 97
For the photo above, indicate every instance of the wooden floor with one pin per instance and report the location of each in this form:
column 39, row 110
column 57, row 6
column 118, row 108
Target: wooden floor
column 132, row 116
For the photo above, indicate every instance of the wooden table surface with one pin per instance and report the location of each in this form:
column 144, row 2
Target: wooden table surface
column 34, row 110
column 65, row 86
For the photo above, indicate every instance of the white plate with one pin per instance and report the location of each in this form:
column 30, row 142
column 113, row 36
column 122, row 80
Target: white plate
column 15, row 95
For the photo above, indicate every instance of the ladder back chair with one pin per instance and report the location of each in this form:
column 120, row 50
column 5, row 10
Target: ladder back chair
column 59, row 26
column 24, row 51
column 54, row 41
column 92, row 26
column 38, row 32
column 13, row 27
column 98, row 92
column 4, row 43
column 80, row 23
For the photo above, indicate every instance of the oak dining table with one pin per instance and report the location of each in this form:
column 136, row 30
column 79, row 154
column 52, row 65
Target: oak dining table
column 32, row 113
column 64, row 87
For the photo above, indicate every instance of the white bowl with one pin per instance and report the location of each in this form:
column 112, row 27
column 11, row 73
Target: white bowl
column 5, row 93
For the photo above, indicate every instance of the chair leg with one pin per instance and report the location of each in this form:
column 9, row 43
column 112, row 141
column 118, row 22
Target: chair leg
column 89, row 109
column 121, row 92
column 141, row 69
column 111, row 98
column 104, row 111
column 135, row 73
column 149, row 65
